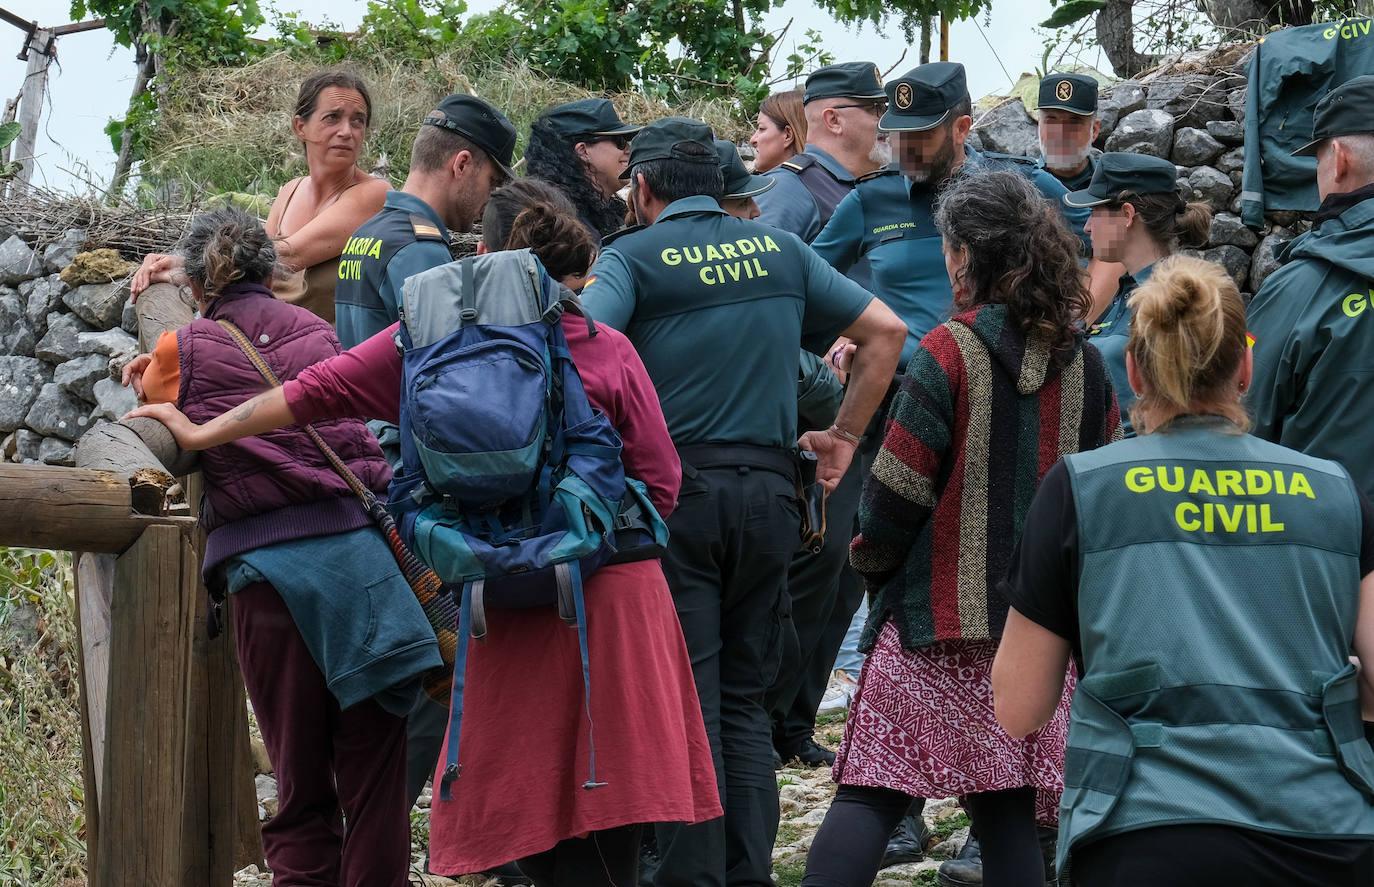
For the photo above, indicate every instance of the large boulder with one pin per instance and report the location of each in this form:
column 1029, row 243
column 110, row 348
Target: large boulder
column 1210, row 186
column 15, row 335
column 21, row 378
column 62, row 251
column 60, row 343
column 78, row 376
column 55, row 413
column 99, row 304
column 111, row 343
column 1235, row 260
column 41, row 296
column 1265, row 259
column 1195, row 147
column 18, row 262
column 112, row 401
column 1191, row 99
column 1228, row 132
column 1008, row 129
column 1228, row 229
column 1149, row 131
column 1116, row 102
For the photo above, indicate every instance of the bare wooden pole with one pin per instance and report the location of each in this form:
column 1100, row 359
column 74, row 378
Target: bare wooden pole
column 95, row 586
column 71, row 509
column 39, row 49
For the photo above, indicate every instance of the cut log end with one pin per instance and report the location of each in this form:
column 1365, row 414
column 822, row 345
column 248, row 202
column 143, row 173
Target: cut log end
column 153, row 491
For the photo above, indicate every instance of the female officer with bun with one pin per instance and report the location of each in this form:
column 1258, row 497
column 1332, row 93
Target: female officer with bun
column 1215, row 736
column 1137, row 219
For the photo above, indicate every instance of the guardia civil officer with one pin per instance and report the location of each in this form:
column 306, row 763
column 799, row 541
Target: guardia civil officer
column 1068, row 126
column 1211, row 587
column 1137, row 220
column 1312, row 321
column 842, row 104
column 888, row 217
column 461, row 154
column 717, row 307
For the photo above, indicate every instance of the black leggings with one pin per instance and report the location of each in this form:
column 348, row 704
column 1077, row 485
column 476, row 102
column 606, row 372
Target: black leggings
column 849, row 846
column 607, row 858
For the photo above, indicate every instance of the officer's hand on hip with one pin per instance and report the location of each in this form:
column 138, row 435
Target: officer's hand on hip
column 834, row 450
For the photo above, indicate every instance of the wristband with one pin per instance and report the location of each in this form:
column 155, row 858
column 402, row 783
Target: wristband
column 849, row 436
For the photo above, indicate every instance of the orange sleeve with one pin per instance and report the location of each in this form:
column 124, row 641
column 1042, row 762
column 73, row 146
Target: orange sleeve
column 162, row 378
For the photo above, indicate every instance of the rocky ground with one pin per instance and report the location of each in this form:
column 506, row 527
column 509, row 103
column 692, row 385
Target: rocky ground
column 804, row 794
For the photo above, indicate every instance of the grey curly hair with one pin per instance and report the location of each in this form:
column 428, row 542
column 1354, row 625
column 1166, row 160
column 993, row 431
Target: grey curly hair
column 226, row 246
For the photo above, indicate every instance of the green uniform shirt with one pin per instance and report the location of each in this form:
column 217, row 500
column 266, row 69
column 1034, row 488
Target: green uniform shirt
column 891, row 222
column 1109, row 336
column 405, row 238
column 1313, row 328
column 1288, row 73
column 716, row 306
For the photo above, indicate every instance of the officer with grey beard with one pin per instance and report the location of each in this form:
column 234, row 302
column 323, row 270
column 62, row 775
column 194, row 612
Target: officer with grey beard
column 888, row 217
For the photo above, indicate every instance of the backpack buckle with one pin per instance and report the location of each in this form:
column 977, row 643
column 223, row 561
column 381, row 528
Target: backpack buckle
column 467, row 315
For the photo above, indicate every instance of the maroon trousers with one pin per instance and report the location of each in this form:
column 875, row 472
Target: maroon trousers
column 332, row 766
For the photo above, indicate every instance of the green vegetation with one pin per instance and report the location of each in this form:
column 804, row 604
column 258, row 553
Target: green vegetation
column 41, row 789
column 944, row 828
column 789, row 874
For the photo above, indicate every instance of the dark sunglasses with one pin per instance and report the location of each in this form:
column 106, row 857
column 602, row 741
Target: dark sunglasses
column 877, row 109
column 622, row 142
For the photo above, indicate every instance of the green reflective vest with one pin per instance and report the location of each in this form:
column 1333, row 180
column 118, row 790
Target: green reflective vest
column 1216, row 623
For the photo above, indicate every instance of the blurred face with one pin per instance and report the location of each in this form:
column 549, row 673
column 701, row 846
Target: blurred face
column 334, row 132
column 1065, row 138
column 772, row 143
column 860, row 118
column 1109, row 228
column 744, row 208
column 605, row 160
column 925, row 157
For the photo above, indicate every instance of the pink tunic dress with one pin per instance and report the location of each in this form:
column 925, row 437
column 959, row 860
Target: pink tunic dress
column 524, row 748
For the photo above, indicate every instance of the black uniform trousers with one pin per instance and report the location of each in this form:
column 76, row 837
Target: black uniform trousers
column 732, row 537
column 823, row 592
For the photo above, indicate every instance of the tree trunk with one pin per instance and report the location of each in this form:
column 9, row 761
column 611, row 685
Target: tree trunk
column 925, row 39
column 126, row 138
column 1248, row 19
column 1115, row 32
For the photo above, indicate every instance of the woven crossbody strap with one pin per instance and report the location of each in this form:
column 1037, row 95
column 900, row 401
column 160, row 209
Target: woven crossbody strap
column 354, row 484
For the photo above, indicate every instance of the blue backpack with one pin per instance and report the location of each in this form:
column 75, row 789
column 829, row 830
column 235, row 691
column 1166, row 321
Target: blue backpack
column 511, row 486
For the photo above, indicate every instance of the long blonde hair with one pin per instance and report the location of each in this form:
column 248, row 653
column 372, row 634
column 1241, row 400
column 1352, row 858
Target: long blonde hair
column 1188, row 340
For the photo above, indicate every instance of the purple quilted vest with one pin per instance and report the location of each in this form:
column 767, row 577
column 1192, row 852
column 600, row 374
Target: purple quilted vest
column 277, row 486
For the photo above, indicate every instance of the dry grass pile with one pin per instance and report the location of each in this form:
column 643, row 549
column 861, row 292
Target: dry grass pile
column 41, row 790
column 229, row 129
column 41, row 217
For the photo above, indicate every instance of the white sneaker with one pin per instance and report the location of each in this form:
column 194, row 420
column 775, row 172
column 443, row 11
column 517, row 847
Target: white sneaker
column 839, row 692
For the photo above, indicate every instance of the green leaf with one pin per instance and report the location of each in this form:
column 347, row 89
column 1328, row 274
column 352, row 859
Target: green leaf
column 1071, row 12
column 8, row 132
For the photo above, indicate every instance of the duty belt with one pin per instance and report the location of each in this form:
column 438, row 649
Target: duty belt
column 697, row 457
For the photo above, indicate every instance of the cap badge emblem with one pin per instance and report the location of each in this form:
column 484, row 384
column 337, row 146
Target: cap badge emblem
column 904, row 96
column 1063, row 90
column 878, row 75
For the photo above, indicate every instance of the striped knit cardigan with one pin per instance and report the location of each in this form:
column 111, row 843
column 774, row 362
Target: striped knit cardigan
column 982, row 413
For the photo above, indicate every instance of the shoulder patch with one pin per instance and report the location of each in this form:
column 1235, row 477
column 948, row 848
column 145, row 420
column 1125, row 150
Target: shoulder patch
column 616, row 235
column 797, row 162
column 877, row 174
column 425, row 229
column 1014, row 158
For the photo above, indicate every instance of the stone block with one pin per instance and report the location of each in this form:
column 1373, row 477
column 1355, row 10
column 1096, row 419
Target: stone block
column 60, row 344
column 1228, row 229
column 26, row 444
column 1228, row 132
column 55, row 413
column 99, row 304
column 1008, row 129
column 112, row 401
column 1150, row 131
column 1235, row 260
column 78, row 376
column 1191, row 99
column 15, row 335
column 1209, row 185
column 21, row 378
column 1195, row 147
column 1233, row 161
column 59, row 253
column 111, row 343
column 1264, row 261
column 55, row 451
column 42, row 296
column 18, row 262
column 1116, row 102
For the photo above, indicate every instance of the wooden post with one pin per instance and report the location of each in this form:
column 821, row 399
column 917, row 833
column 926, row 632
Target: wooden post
column 31, row 100
column 141, row 796
column 94, row 586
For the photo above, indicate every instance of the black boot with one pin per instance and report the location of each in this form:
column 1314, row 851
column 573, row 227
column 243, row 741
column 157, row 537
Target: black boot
column 907, row 842
column 809, row 753
column 964, row 870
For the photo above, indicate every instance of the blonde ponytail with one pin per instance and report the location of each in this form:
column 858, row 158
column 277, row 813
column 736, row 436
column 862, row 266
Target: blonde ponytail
column 1188, row 340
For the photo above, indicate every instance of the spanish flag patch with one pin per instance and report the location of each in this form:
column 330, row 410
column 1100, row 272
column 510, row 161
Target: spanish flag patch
column 1249, row 341
column 590, row 280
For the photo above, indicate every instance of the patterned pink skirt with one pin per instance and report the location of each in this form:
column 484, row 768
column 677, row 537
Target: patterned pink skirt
column 923, row 723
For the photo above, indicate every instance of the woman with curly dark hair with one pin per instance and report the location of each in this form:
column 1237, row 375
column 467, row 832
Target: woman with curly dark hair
column 581, row 148
column 991, row 399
